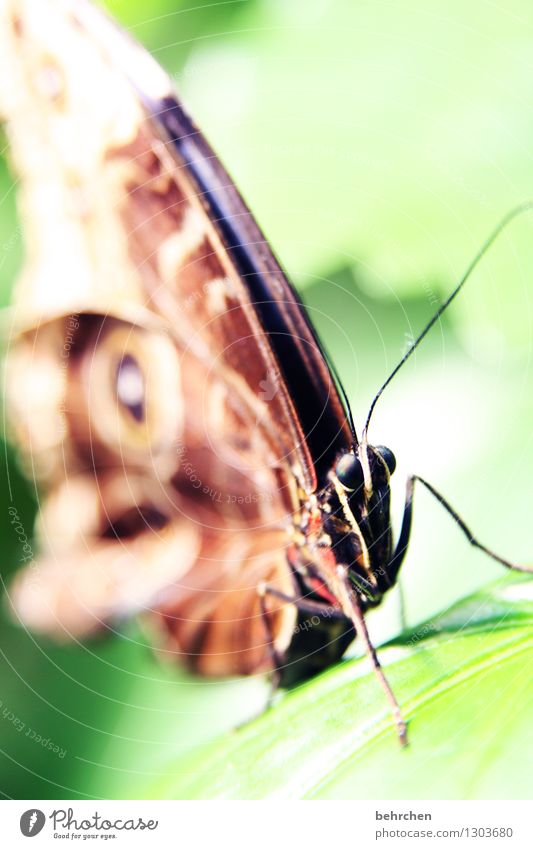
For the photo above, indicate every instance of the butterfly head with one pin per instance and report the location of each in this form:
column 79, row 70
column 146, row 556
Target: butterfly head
column 360, row 502
column 365, row 470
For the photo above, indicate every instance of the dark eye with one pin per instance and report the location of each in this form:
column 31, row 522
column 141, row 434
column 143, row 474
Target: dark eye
column 350, row 472
column 387, row 455
column 130, row 386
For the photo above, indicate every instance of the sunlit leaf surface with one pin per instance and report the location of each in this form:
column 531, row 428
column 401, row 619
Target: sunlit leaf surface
column 465, row 684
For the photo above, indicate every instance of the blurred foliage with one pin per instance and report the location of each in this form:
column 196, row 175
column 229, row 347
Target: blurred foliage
column 378, row 144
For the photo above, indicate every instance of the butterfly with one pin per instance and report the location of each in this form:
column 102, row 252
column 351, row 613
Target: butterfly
column 195, row 449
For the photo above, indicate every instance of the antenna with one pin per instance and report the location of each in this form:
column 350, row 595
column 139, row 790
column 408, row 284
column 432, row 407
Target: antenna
column 334, row 372
column 514, row 213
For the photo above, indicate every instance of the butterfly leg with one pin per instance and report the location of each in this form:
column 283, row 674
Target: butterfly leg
column 405, row 532
column 352, row 607
column 302, row 605
column 275, row 656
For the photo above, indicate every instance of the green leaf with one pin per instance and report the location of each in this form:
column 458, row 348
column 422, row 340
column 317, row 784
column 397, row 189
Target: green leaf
column 464, row 682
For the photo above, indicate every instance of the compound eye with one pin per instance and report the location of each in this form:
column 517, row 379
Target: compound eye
column 389, row 458
column 350, row 472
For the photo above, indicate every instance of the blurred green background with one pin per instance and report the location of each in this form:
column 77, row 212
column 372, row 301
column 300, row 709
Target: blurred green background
column 378, row 143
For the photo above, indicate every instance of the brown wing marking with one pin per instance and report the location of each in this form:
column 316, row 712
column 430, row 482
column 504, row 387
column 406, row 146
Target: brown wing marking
column 213, row 619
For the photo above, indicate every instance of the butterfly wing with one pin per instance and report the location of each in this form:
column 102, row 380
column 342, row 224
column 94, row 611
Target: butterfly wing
column 186, row 393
